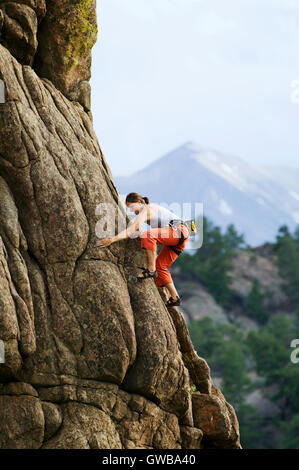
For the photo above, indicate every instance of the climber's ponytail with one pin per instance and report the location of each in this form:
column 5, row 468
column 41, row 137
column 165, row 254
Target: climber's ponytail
column 135, row 197
column 146, row 200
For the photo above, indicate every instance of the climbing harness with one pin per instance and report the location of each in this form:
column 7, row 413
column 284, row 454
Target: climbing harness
column 190, row 224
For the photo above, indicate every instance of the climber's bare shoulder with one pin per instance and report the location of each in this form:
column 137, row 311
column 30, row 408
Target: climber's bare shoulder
column 146, row 213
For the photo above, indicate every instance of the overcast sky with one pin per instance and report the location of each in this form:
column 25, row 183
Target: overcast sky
column 215, row 72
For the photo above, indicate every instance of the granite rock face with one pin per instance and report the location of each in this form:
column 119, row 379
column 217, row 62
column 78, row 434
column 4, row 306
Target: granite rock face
column 92, row 358
column 18, row 27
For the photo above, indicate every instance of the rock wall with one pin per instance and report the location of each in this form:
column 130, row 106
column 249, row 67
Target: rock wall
column 93, row 359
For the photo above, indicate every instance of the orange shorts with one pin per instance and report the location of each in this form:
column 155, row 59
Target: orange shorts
column 166, row 236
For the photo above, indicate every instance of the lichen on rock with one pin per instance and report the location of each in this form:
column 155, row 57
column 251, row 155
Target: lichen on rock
column 66, row 60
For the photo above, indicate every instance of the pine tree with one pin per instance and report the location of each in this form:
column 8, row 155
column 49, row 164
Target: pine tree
column 254, row 304
column 288, row 262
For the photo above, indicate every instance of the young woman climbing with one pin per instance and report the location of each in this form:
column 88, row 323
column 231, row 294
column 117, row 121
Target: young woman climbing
column 160, row 233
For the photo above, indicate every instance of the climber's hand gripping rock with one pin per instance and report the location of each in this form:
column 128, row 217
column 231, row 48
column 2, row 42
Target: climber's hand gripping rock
column 104, row 242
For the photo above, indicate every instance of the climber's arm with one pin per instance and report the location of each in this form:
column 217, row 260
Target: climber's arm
column 142, row 217
column 139, row 220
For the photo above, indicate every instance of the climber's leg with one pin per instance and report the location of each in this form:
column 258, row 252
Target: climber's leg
column 151, row 260
column 172, row 290
column 165, row 259
column 151, row 266
column 149, row 240
column 166, row 236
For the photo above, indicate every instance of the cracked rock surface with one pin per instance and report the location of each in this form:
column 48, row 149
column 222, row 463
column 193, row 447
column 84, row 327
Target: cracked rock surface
column 92, row 358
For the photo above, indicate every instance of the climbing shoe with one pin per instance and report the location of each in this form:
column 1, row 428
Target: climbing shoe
column 146, row 274
column 173, row 302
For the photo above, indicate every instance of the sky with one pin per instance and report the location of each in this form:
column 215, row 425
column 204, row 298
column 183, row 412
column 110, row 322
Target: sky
column 223, row 74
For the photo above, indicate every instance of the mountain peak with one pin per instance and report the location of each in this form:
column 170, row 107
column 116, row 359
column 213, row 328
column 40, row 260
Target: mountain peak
column 232, row 190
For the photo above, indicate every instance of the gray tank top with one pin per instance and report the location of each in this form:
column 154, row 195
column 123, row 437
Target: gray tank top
column 162, row 218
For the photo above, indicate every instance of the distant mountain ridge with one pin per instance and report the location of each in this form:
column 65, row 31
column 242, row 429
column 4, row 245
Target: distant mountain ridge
column 257, row 200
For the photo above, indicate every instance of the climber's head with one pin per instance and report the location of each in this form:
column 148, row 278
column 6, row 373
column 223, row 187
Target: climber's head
column 135, row 202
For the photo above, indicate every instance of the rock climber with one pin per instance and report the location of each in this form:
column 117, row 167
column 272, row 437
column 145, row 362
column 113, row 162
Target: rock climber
column 173, row 236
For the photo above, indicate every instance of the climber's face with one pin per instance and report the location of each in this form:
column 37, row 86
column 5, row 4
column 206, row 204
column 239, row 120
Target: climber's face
column 135, row 207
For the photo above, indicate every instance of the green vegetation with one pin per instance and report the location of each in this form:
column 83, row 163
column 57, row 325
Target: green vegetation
column 254, row 304
column 83, row 30
column 270, row 347
column 83, row 33
column 291, row 434
column 232, row 356
column 212, row 262
column 287, row 250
